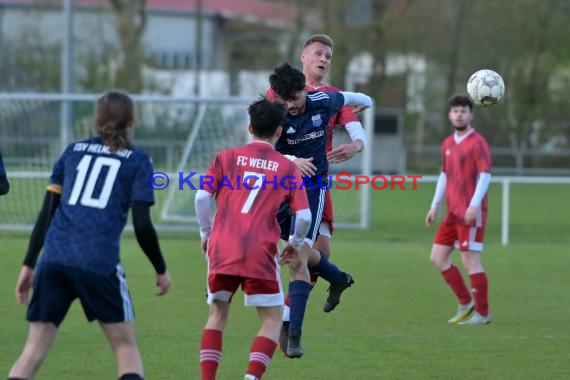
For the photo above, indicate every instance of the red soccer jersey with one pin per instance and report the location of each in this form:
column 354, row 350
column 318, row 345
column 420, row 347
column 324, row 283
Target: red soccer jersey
column 342, row 117
column 245, row 232
column 462, row 162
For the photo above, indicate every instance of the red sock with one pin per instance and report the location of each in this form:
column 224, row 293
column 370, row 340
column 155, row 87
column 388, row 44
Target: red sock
column 261, row 352
column 287, row 301
column 480, row 289
column 210, row 353
column 454, row 279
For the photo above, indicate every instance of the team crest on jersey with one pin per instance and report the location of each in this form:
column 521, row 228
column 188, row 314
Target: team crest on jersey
column 317, row 121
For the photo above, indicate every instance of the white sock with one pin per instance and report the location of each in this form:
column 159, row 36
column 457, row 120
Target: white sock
column 286, row 313
column 250, row 377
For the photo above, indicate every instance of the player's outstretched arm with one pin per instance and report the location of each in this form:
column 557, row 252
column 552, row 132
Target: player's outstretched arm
column 345, row 152
column 437, row 199
column 148, row 241
column 4, row 185
column 356, row 99
column 51, row 203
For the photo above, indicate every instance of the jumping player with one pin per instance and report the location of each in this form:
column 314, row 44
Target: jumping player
column 464, row 180
column 91, row 188
column 316, row 59
column 241, row 246
column 305, row 136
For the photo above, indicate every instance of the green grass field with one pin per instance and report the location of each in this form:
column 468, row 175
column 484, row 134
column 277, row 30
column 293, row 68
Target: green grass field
column 391, row 325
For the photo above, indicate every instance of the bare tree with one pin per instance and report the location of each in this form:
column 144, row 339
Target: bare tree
column 131, row 23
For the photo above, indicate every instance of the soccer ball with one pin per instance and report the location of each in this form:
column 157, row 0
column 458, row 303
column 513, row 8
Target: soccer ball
column 486, row 87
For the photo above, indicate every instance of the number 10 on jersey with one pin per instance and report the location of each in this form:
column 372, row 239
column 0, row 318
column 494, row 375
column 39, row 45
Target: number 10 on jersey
column 82, row 169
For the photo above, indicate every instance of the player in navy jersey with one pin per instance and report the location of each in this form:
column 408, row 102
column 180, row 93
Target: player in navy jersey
column 4, row 184
column 92, row 187
column 305, row 136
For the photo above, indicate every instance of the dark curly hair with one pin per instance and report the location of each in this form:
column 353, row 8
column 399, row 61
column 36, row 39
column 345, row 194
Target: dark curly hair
column 265, row 117
column 286, row 81
column 461, row 100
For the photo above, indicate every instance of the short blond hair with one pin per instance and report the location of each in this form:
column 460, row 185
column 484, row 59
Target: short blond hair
column 321, row 38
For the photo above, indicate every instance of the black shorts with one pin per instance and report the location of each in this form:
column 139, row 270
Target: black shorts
column 105, row 298
column 317, row 205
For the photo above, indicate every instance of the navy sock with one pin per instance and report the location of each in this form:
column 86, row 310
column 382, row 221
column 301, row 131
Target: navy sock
column 298, row 296
column 327, row 270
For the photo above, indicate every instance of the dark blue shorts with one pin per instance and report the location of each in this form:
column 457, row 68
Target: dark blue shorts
column 105, row 298
column 317, row 205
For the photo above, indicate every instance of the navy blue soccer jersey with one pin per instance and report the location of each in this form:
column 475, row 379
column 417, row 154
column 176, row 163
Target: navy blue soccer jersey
column 98, row 190
column 2, row 168
column 304, row 135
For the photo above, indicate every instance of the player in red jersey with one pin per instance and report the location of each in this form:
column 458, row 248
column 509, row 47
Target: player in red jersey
column 316, row 59
column 464, row 180
column 250, row 183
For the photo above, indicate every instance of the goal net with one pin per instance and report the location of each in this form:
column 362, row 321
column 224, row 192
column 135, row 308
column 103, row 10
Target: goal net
column 181, row 134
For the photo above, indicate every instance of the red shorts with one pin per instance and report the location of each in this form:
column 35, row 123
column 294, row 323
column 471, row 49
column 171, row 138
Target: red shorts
column 327, row 216
column 257, row 292
column 464, row 237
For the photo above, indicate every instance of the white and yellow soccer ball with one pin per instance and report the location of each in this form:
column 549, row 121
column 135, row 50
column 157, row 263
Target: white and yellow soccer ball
column 486, row 87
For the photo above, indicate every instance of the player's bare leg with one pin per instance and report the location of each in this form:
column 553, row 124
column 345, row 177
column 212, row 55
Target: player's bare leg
column 265, row 342
column 121, row 336
column 323, row 244
column 440, row 256
column 218, row 318
column 40, row 338
column 297, row 273
column 472, row 262
column 440, row 259
column 298, row 269
column 299, row 288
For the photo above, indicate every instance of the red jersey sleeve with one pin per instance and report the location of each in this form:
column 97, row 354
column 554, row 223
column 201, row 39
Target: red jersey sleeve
column 345, row 116
column 214, row 176
column 483, row 156
column 297, row 198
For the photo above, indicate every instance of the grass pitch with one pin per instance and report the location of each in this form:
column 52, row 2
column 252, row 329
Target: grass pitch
column 390, row 325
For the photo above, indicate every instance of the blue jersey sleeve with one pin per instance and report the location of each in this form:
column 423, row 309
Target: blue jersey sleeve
column 336, row 102
column 331, row 101
column 2, row 168
column 57, row 173
column 141, row 190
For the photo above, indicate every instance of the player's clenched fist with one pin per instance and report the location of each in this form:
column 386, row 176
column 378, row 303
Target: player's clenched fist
column 163, row 282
